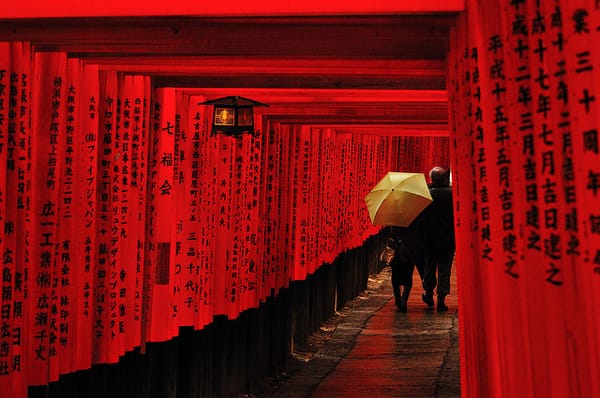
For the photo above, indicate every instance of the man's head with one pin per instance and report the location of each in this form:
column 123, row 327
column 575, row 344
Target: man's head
column 439, row 177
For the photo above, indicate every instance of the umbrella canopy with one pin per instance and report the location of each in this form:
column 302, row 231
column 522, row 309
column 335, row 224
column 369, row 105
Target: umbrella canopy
column 398, row 199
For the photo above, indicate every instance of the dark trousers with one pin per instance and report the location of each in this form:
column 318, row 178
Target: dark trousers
column 402, row 275
column 436, row 272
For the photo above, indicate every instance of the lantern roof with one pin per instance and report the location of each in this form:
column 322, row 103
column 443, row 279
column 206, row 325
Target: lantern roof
column 233, row 101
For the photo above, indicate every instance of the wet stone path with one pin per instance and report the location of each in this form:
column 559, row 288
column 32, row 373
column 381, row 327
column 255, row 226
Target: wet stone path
column 370, row 349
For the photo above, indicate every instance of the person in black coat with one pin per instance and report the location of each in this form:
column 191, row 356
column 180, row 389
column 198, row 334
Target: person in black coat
column 408, row 244
column 438, row 218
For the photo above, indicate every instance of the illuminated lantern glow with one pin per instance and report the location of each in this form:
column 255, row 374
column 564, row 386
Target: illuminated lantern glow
column 233, row 115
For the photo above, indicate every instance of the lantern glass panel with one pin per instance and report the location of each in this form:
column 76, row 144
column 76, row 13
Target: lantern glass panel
column 224, row 116
column 245, row 117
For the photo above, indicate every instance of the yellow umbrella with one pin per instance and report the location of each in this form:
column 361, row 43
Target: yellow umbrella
column 398, row 199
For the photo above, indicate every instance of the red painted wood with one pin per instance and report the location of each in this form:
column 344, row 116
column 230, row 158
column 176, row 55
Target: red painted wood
column 41, row 8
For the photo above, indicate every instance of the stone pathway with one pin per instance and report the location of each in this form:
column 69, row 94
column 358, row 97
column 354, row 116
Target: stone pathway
column 371, row 349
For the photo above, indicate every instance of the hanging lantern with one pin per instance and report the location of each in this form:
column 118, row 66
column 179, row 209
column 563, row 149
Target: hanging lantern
column 233, row 115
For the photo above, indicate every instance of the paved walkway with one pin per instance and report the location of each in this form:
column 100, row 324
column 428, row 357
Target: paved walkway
column 369, row 349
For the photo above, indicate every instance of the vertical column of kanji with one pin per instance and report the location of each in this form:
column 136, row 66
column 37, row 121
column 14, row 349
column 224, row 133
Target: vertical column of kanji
column 461, row 134
column 280, row 261
column 150, row 237
column 333, row 190
column 394, row 151
column 9, row 86
column 271, row 194
column 414, row 161
column 322, row 199
column 265, row 208
column 398, row 145
column 346, row 179
column 315, row 207
column 389, row 161
column 493, row 184
column 365, row 186
column 161, row 317
column 326, row 246
column 203, row 195
column 372, row 172
column 67, row 250
column 86, row 177
column 346, row 215
column 321, row 185
column 376, row 165
column 441, row 151
column 329, row 243
column 223, row 243
column 256, row 223
column 107, row 105
column 408, row 153
column 126, row 221
column 353, row 220
column 417, row 158
column 432, row 159
column 358, row 171
column 236, row 219
column 113, row 339
column 581, row 27
column 342, row 183
column 178, row 212
column 279, row 264
column 545, row 212
column 140, row 122
column 338, row 181
column 419, row 161
column 47, row 147
column 589, row 141
column 24, row 65
column 518, row 95
column 387, row 156
column 481, row 158
column 423, row 162
column 324, row 222
column 362, row 170
column 582, row 325
column 592, row 152
column 501, row 140
column 186, row 267
column 358, row 162
column 435, row 157
column 247, row 248
column 15, row 95
column 301, row 206
column 357, row 195
column 288, row 178
column 292, row 159
column 423, row 146
column 255, row 200
column 211, row 183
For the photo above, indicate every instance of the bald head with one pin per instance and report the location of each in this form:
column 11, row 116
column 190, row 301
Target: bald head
column 439, row 177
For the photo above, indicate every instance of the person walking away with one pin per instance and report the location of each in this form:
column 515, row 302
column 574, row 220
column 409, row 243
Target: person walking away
column 440, row 241
column 408, row 255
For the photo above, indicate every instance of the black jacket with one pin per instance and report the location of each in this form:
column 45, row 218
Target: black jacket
column 439, row 219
